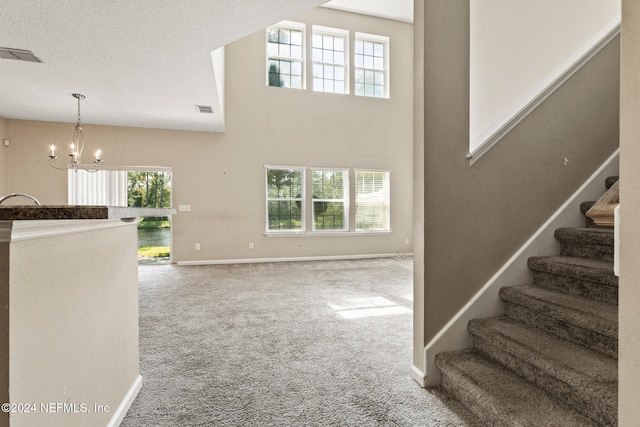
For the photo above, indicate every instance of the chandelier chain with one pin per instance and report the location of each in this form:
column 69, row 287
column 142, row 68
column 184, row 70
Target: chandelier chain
column 79, row 97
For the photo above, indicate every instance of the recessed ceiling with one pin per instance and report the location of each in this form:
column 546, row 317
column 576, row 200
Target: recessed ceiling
column 138, row 65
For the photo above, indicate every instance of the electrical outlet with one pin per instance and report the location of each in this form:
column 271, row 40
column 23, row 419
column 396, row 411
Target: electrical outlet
column 406, row 241
column 250, row 245
column 197, row 246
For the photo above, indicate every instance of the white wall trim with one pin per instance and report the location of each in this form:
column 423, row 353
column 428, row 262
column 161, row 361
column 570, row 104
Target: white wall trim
column 18, row 231
column 294, row 259
column 486, row 302
column 568, row 70
column 121, row 412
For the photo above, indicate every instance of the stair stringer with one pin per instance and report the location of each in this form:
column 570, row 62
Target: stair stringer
column 486, row 303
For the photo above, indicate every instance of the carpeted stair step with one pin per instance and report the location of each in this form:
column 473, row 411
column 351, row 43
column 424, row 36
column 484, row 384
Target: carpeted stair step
column 499, row 397
column 592, row 324
column 585, row 206
column 576, row 276
column 592, row 243
column 583, row 379
column 610, row 181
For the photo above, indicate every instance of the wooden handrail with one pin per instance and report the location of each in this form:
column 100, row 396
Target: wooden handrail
column 602, row 211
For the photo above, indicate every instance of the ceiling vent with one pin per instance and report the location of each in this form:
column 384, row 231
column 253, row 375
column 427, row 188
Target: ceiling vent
column 205, row 109
column 19, row 54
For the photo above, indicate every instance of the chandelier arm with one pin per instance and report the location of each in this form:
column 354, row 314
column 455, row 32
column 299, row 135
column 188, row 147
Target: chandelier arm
column 78, row 140
column 95, row 169
column 52, row 160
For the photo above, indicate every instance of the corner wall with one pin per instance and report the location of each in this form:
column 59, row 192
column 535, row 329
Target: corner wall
column 476, row 217
column 629, row 297
column 222, row 175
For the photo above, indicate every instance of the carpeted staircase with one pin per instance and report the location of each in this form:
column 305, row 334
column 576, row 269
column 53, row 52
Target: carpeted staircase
column 552, row 359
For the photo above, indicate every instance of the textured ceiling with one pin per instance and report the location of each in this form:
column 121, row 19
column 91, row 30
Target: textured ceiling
column 139, row 63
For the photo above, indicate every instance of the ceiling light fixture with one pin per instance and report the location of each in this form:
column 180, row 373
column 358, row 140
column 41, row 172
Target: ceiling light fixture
column 77, row 146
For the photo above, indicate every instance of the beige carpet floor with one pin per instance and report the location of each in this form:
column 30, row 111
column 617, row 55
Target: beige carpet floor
column 282, row 344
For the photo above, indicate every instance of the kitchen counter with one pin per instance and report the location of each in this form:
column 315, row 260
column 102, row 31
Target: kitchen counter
column 69, row 313
column 52, row 212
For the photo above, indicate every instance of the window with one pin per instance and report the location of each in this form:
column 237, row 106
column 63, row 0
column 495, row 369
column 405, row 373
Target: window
column 329, row 53
column 285, row 55
column 372, row 200
column 323, row 198
column 285, row 199
column 330, row 60
column 330, row 200
column 371, row 65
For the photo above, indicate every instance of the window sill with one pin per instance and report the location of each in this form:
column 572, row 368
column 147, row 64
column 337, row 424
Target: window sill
column 327, row 233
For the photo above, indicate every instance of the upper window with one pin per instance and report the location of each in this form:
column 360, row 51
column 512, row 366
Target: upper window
column 372, row 200
column 371, row 65
column 285, row 55
column 285, row 199
column 330, row 200
column 329, row 53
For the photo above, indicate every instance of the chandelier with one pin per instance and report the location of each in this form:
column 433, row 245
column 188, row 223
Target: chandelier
column 77, row 146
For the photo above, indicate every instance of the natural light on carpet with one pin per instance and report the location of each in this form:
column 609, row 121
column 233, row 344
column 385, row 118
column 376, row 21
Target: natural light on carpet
column 357, row 308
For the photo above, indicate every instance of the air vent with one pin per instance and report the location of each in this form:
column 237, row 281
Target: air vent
column 19, row 54
column 205, row 109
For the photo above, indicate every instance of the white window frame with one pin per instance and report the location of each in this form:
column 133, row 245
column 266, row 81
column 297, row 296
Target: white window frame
column 345, row 200
column 287, row 25
column 385, row 41
column 318, row 30
column 302, row 199
column 386, row 202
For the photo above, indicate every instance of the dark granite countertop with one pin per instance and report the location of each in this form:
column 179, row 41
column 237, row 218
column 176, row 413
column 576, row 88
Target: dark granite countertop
column 49, row 212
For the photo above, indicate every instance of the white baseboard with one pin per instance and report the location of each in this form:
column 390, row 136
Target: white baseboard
column 294, row 259
column 486, row 302
column 120, row 413
column 418, row 376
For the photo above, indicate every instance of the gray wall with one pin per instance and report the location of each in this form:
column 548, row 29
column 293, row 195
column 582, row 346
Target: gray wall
column 476, row 217
column 222, row 175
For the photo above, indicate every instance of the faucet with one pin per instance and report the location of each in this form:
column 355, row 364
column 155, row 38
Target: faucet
column 8, row 196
